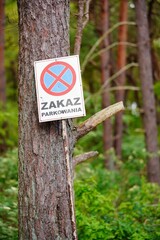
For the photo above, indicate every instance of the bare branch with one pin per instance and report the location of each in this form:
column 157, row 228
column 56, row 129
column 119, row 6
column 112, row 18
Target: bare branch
column 86, row 15
column 132, row 88
column 81, row 23
column 97, row 43
column 114, row 76
column 125, row 68
column 112, row 46
column 98, row 118
column 83, row 157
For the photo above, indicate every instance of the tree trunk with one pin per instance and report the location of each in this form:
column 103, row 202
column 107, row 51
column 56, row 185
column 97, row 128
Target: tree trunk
column 121, row 62
column 45, row 197
column 145, row 65
column 154, row 54
column 2, row 69
column 105, row 74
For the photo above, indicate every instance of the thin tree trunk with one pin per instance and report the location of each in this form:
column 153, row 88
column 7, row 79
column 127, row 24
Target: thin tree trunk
column 145, row 64
column 45, row 198
column 2, row 69
column 105, row 74
column 121, row 62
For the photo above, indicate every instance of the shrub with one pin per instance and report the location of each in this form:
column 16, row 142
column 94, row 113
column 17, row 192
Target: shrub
column 8, row 126
column 109, row 206
column 8, row 196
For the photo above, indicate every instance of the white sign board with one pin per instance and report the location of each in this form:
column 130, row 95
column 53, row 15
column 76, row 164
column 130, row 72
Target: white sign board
column 59, row 88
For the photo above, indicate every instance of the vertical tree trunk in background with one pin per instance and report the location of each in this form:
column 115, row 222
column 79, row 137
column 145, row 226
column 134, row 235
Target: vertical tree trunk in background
column 154, row 54
column 145, row 65
column 121, row 62
column 105, row 74
column 45, row 206
column 2, row 70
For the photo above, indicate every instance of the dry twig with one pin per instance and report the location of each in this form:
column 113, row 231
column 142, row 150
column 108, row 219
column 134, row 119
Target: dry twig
column 98, row 118
column 83, row 157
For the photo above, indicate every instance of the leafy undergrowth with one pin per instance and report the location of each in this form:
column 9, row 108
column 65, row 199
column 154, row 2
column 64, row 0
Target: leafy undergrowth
column 116, row 205
column 8, row 196
column 8, row 126
column 109, row 205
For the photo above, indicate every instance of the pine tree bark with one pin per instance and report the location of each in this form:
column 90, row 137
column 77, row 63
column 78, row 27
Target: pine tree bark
column 145, row 65
column 45, row 197
column 45, row 206
column 105, row 74
column 121, row 62
column 2, row 69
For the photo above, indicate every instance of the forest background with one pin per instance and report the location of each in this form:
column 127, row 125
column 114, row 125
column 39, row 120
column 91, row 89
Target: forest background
column 114, row 196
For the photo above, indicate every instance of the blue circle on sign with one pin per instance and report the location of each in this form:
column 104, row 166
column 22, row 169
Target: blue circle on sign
column 58, row 78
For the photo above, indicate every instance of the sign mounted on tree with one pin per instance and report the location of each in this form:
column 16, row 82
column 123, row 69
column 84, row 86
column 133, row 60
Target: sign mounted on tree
column 59, row 88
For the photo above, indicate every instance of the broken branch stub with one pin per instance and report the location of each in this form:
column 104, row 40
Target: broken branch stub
column 83, row 157
column 98, row 118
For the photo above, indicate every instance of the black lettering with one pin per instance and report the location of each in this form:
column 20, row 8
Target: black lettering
column 60, row 103
column 44, row 106
column 52, row 105
column 69, row 103
column 50, row 113
column 77, row 101
column 63, row 111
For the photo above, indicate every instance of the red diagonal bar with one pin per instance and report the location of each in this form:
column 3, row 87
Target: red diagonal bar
column 58, row 78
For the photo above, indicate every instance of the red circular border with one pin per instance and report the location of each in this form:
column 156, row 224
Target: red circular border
column 51, row 65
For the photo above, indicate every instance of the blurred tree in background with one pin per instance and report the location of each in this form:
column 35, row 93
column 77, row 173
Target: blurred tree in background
column 148, row 98
column 2, row 69
column 121, row 62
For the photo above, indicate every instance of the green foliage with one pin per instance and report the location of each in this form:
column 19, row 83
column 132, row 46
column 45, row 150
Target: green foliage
column 110, row 206
column 157, row 89
column 9, row 125
column 11, row 32
column 8, row 196
column 11, row 48
column 133, row 146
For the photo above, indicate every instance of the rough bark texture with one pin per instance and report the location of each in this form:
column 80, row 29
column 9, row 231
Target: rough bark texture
column 45, row 198
column 147, row 91
column 121, row 62
column 2, row 70
column 45, row 207
column 105, row 74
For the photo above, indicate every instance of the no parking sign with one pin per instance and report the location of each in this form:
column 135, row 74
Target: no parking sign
column 59, row 88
